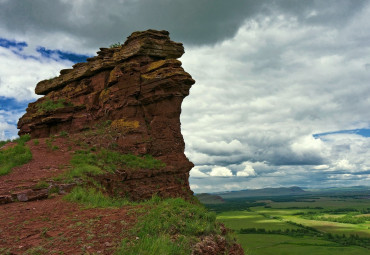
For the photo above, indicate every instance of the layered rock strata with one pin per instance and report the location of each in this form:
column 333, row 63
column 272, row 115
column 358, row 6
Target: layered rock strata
column 126, row 98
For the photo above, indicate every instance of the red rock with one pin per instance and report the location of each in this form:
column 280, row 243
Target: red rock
column 139, row 88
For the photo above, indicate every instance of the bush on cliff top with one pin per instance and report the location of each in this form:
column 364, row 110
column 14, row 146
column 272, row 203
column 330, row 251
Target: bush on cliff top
column 15, row 156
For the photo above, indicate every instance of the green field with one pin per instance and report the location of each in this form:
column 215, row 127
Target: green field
column 301, row 226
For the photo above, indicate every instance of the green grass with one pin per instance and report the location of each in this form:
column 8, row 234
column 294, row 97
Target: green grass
column 15, row 156
column 2, row 143
column 167, row 226
column 166, row 219
column 49, row 144
column 87, row 162
column 92, row 198
column 244, row 219
column 63, row 134
column 321, row 237
column 23, row 139
column 50, row 105
column 256, row 244
column 114, row 159
column 41, row 185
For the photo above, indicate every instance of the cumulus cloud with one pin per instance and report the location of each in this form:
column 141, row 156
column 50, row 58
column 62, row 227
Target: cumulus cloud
column 20, row 72
column 196, row 173
column 280, row 80
column 8, row 120
column 247, row 171
column 73, row 24
column 269, row 75
column 220, row 171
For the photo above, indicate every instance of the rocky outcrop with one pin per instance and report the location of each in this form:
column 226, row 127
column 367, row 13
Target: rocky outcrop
column 126, row 98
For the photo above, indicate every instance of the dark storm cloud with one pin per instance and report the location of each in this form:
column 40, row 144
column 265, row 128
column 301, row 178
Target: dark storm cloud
column 269, row 74
column 328, row 11
column 192, row 21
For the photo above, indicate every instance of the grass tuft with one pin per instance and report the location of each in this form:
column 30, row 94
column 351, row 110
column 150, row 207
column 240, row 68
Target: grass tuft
column 85, row 162
column 92, row 198
column 41, row 185
column 50, row 105
column 166, row 219
column 23, row 139
column 15, row 156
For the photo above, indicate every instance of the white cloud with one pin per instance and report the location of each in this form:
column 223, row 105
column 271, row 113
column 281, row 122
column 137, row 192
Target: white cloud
column 247, row 171
column 220, row 171
column 344, row 164
column 195, row 172
column 20, row 75
column 259, row 94
column 321, row 167
column 271, row 87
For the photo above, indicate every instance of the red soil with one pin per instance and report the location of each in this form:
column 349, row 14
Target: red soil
column 45, row 164
column 56, row 226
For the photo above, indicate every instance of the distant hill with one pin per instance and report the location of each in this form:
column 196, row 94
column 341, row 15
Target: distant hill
column 206, row 198
column 266, row 192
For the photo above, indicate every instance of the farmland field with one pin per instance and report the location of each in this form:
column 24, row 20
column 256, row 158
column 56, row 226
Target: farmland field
column 318, row 225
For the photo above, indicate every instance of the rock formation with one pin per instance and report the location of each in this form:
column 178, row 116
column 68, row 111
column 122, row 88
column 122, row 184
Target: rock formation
column 127, row 98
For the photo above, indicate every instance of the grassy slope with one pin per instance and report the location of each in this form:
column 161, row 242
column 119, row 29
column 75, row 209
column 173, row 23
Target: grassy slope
column 169, row 226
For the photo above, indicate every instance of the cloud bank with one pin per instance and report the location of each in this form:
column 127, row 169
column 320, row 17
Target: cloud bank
column 281, row 93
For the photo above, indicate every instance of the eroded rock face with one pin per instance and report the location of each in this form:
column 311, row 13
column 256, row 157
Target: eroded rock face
column 130, row 98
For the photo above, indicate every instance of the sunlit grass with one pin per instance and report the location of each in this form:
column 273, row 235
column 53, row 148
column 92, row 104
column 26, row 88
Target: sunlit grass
column 14, row 156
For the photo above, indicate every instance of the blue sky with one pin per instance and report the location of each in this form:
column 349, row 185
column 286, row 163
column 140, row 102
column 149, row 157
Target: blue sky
column 282, row 87
column 12, row 106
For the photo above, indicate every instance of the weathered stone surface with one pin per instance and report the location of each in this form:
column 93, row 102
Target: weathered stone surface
column 4, row 199
column 155, row 44
column 137, row 89
column 216, row 244
column 30, row 195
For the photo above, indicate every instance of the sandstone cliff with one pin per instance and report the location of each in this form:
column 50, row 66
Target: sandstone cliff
column 105, row 133
column 127, row 98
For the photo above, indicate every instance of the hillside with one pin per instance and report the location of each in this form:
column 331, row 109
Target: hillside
column 100, row 168
column 206, row 198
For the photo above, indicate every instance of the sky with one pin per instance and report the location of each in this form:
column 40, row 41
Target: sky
column 282, row 93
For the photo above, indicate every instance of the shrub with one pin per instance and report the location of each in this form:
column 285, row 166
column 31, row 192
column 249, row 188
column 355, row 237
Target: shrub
column 114, row 45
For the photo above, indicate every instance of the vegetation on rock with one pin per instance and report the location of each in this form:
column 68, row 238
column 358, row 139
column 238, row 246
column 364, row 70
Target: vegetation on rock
column 87, row 162
column 50, row 105
column 92, row 198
